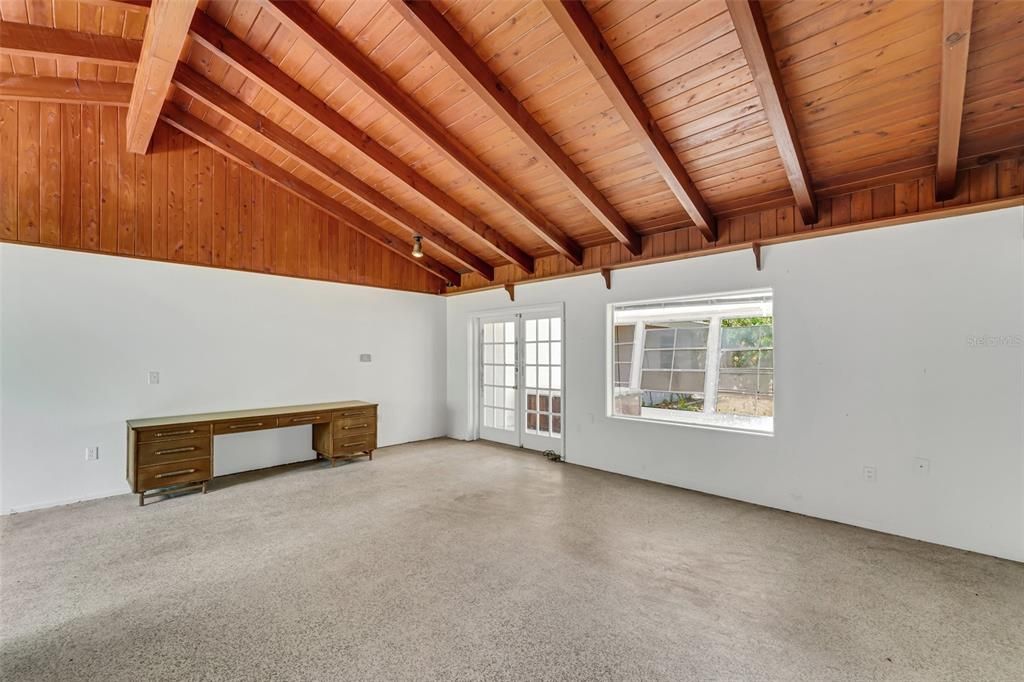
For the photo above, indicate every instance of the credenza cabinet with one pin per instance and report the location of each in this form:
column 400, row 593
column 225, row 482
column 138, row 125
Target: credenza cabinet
column 169, row 455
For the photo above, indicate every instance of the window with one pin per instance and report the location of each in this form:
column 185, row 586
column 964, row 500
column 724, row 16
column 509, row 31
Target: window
column 623, row 353
column 707, row 360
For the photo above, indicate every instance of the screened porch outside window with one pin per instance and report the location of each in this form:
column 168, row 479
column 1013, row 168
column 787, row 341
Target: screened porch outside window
column 698, row 360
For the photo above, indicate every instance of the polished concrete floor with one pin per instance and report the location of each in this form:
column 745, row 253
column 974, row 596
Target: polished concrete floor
column 448, row 560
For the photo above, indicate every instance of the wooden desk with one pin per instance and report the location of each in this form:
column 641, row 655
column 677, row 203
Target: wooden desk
column 169, row 455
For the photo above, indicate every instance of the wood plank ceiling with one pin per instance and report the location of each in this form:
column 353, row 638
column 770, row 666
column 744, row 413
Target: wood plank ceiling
column 503, row 131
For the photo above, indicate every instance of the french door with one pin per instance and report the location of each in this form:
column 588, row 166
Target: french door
column 499, row 369
column 520, row 379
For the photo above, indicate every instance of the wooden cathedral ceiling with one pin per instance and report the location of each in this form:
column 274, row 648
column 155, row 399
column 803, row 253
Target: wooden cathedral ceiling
column 503, row 131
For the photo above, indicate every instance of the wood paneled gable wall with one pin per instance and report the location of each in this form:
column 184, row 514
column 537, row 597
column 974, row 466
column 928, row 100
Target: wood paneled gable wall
column 68, row 181
column 526, row 139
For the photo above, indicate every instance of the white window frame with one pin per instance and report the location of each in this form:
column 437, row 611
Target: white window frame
column 707, row 418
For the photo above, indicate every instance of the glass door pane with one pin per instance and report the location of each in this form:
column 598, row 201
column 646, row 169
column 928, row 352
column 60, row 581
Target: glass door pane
column 498, row 361
column 542, row 382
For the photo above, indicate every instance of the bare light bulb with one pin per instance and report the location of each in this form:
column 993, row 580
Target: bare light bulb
column 417, row 247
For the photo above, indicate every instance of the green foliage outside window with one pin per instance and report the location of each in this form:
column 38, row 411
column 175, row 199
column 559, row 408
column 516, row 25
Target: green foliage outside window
column 673, row 401
column 739, row 333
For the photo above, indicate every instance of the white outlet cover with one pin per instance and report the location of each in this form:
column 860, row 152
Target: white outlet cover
column 154, row 378
column 870, row 473
column 92, row 453
column 922, row 465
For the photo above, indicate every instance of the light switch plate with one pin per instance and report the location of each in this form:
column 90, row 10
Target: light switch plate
column 154, row 378
column 92, row 453
column 365, row 357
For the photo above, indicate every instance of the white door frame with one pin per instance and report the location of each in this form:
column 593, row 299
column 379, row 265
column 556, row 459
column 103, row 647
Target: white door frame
column 475, row 364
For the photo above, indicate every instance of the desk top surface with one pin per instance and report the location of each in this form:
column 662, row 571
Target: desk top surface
column 243, row 414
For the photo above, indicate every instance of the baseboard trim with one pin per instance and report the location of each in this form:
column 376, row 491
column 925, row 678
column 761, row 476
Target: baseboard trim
column 864, row 524
column 6, row 511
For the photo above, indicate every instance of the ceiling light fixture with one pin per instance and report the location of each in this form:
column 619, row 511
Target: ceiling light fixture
column 417, row 247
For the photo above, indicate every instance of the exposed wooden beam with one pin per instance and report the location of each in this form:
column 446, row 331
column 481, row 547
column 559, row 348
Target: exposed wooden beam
column 299, row 19
column 956, row 37
column 64, row 90
column 26, row 40
column 753, row 36
column 579, row 27
column 166, row 31
column 191, row 82
column 239, row 55
column 226, row 145
column 126, row 5
column 463, row 59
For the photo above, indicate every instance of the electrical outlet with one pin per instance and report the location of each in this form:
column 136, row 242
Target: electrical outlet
column 870, row 473
column 922, row 465
column 154, row 378
column 92, row 454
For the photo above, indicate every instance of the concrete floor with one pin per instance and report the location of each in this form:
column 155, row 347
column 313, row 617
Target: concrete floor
column 444, row 560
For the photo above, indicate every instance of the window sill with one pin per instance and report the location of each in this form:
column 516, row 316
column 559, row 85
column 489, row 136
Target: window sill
column 698, row 424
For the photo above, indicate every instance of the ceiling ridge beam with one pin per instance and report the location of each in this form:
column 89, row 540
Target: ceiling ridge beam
column 956, row 35
column 27, row 40
column 228, row 146
column 757, row 48
column 586, row 38
column 300, row 20
column 445, row 40
column 225, row 104
column 166, row 32
column 239, row 55
column 64, row 90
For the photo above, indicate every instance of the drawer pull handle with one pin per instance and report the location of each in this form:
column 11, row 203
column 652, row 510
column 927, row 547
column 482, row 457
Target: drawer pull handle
column 305, row 419
column 175, row 473
column 174, row 450
column 352, row 414
column 161, row 434
column 357, row 426
column 244, row 426
column 358, row 442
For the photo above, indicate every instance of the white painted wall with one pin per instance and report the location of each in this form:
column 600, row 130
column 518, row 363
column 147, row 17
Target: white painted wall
column 79, row 332
column 874, row 366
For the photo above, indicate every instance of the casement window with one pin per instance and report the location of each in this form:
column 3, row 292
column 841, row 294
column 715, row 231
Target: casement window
column 697, row 360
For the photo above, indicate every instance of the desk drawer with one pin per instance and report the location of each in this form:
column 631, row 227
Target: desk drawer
column 242, row 425
column 350, row 444
column 300, row 419
column 173, row 473
column 352, row 428
column 357, row 413
column 173, row 450
column 173, row 432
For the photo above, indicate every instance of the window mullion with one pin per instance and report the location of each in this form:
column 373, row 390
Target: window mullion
column 711, row 365
column 635, row 366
